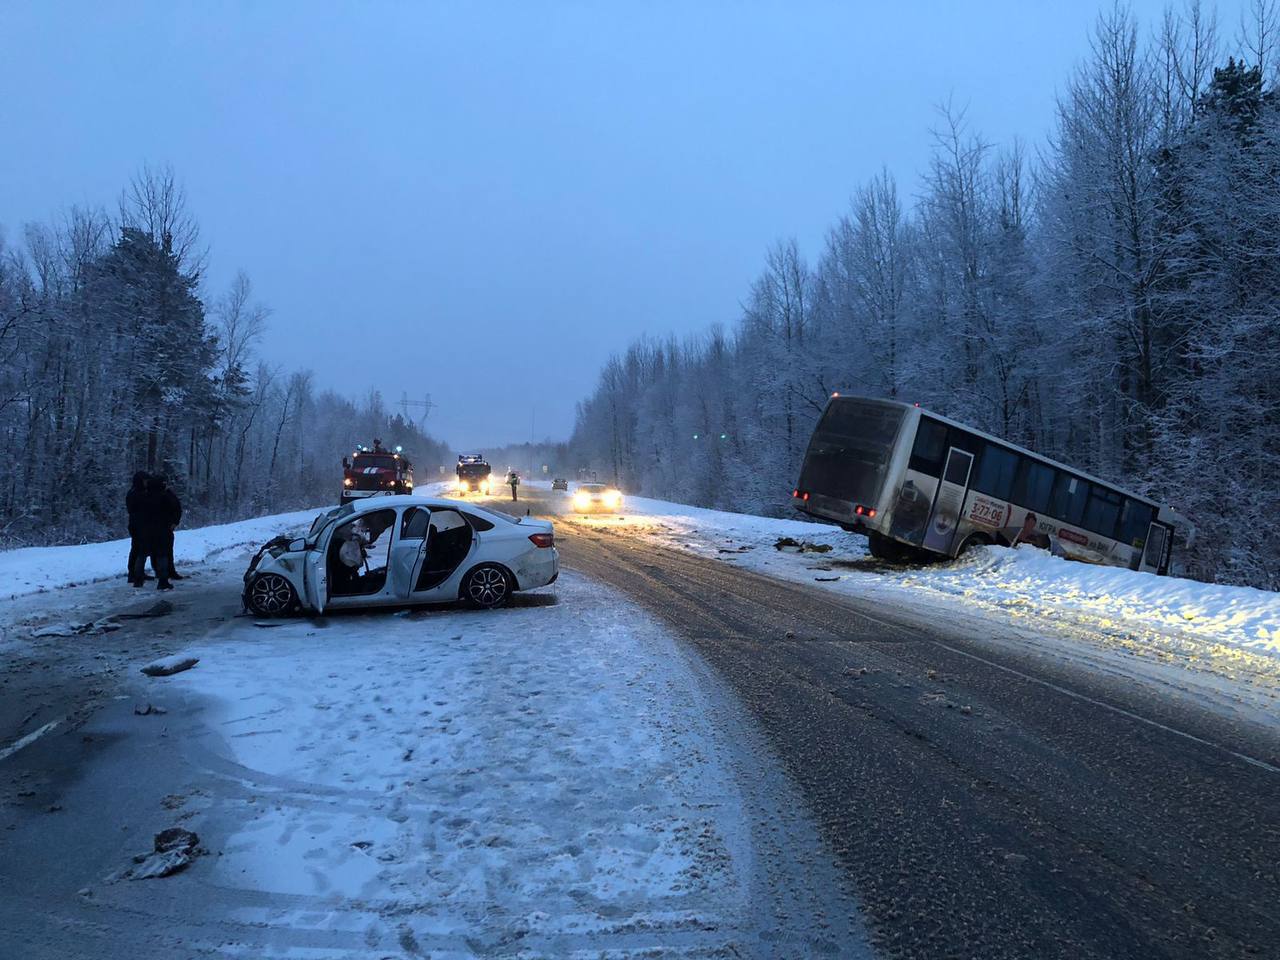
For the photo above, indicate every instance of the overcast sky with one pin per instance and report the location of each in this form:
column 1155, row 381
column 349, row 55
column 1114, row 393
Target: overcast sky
column 506, row 193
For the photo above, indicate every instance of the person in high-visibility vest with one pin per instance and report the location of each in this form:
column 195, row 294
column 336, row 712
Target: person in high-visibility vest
column 513, row 479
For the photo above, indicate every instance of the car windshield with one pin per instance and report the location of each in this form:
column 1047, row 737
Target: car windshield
column 384, row 460
column 320, row 522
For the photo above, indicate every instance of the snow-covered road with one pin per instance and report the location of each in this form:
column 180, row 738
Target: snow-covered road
column 559, row 778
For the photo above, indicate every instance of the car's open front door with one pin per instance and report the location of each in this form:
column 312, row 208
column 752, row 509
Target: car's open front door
column 316, row 572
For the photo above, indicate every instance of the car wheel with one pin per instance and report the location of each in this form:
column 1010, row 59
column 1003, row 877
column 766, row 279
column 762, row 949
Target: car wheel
column 270, row 595
column 487, row 586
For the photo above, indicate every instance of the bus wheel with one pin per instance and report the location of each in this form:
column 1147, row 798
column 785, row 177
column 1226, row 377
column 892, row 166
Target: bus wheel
column 882, row 548
column 974, row 540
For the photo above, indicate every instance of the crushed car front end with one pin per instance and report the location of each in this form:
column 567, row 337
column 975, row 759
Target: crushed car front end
column 274, row 583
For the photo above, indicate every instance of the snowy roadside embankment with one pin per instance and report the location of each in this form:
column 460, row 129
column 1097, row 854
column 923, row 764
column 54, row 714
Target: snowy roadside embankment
column 1198, row 620
column 33, row 569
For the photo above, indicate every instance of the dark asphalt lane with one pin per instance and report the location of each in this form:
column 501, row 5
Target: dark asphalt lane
column 985, row 802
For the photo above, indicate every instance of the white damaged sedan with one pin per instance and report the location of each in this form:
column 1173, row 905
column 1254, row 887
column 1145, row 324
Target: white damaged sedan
column 402, row 550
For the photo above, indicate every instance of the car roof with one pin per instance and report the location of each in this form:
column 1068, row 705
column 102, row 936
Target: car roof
column 365, row 504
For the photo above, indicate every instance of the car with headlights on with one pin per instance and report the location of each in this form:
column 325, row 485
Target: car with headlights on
column 402, row 550
column 596, row 498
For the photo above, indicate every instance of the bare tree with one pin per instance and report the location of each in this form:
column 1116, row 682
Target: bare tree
column 156, row 204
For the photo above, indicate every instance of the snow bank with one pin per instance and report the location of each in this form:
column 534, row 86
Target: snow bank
column 34, row 569
column 1239, row 617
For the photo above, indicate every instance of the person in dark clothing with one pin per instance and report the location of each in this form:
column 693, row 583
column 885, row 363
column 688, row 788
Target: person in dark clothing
column 133, row 506
column 173, row 514
column 154, row 532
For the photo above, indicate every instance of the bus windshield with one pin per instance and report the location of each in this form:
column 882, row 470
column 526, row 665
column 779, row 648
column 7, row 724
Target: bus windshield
column 849, row 454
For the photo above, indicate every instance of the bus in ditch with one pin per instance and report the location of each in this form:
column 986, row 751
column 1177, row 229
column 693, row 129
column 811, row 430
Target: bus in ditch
column 920, row 485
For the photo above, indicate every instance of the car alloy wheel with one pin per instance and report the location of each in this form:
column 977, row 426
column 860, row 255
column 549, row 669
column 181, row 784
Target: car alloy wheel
column 271, row 594
column 487, row 587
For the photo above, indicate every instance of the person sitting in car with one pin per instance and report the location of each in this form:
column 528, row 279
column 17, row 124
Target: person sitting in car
column 352, row 551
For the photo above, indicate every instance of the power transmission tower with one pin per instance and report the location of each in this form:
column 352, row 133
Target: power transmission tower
column 425, row 405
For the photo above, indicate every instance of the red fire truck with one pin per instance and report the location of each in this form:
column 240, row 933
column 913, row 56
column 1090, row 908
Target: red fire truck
column 374, row 471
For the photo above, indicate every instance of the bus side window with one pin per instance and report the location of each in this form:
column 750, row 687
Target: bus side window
column 1103, row 511
column 930, row 447
column 1032, row 485
column 1134, row 520
column 995, row 472
column 1067, row 502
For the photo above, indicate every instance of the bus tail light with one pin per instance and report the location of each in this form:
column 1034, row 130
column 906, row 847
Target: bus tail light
column 862, row 511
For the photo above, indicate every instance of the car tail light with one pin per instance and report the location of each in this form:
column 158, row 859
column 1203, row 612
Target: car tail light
column 862, row 511
column 543, row 539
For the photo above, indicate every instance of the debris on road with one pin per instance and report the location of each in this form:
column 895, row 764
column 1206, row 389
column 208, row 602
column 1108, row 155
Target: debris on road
column 161, row 608
column 170, row 665
column 790, row 545
column 175, row 848
column 72, row 629
column 148, row 711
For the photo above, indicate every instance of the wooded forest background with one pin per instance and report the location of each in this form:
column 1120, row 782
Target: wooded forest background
column 1111, row 300
column 113, row 359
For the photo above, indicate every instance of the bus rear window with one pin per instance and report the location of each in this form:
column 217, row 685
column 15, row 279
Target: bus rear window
column 875, row 424
column 849, row 454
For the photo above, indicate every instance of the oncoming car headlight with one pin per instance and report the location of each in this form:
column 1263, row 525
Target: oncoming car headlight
column 612, row 499
column 582, row 499
column 348, row 482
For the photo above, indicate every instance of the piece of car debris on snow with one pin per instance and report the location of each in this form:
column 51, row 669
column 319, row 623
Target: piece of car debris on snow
column 167, row 666
column 175, row 848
